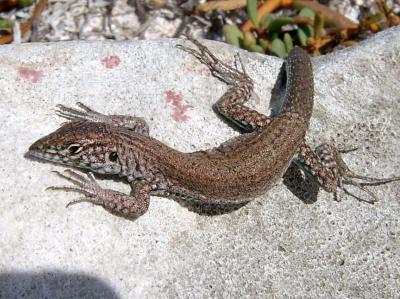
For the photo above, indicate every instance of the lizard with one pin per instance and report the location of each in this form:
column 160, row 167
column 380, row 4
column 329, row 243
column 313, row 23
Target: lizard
column 235, row 172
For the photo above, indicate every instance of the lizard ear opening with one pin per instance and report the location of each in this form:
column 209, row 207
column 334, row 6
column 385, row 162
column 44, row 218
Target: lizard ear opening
column 113, row 156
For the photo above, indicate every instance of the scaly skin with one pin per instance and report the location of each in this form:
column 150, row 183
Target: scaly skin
column 232, row 173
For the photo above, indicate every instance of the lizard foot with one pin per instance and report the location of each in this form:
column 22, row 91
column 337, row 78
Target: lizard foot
column 86, row 114
column 136, row 124
column 226, row 73
column 331, row 157
column 113, row 201
column 327, row 166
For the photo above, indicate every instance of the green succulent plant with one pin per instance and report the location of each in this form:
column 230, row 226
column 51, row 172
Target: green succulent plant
column 5, row 26
column 275, row 34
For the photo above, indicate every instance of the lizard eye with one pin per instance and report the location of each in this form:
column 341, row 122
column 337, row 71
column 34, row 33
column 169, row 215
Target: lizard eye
column 74, row 148
column 113, row 156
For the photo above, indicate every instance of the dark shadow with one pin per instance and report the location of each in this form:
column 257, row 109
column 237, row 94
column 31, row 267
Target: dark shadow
column 300, row 185
column 206, row 209
column 53, row 284
column 230, row 123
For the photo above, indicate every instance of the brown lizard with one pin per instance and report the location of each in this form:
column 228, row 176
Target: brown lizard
column 233, row 173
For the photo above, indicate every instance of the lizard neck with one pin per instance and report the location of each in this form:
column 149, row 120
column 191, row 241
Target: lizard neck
column 140, row 155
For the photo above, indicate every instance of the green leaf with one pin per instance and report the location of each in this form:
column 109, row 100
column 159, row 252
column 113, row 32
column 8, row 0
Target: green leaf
column 263, row 43
column 273, row 35
column 252, row 11
column 308, row 29
column 5, row 25
column 277, row 23
column 24, row 3
column 249, row 40
column 232, row 35
column 307, row 13
column 287, row 39
column 265, row 20
column 302, row 37
column 278, row 48
column 256, row 48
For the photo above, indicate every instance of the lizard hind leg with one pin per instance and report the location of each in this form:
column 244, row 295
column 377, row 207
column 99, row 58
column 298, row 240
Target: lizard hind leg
column 331, row 172
column 231, row 104
column 348, row 177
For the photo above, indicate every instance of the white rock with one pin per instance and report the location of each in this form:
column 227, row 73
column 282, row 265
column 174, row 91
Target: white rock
column 274, row 246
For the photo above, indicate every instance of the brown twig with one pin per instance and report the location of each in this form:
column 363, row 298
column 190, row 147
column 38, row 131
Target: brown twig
column 331, row 17
column 224, row 5
column 26, row 26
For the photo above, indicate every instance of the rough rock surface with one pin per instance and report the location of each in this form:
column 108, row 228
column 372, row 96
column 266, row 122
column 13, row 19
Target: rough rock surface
column 274, row 246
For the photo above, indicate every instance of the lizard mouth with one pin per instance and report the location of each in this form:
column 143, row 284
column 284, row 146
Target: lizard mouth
column 57, row 159
column 41, row 152
column 48, row 156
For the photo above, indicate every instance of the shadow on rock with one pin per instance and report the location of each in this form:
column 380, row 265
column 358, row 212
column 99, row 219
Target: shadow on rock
column 53, row 284
column 205, row 209
column 300, row 185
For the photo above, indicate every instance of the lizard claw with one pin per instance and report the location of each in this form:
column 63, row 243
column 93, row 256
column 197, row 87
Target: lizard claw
column 86, row 114
column 228, row 74
column 348, row 150
column 85, row 185
column 332, row 173
column 116, row 202
column 351, row 179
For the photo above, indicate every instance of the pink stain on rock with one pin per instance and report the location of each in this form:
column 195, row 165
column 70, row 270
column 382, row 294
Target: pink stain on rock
column 30, row 74
column 255, row 97
column 111, row 62
column 178, row 108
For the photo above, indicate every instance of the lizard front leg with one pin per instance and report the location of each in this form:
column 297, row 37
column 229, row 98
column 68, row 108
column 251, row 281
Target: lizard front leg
column 128, row 206
column 136, row 124
column 231, row 104
column 327, row 166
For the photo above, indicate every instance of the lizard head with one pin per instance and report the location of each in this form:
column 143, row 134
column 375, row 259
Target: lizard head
column 79, row 144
